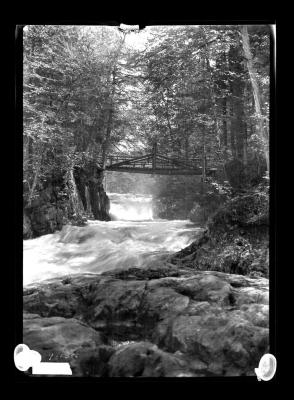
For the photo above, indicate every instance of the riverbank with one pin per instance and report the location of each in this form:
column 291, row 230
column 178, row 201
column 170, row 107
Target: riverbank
column 236, row 239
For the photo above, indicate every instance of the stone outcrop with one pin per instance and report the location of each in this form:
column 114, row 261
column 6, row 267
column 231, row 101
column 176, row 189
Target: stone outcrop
column 236, row 240
column 59, row 338
column 150, row 322
column 57, row 203
column 89, row 182
column 49, row 210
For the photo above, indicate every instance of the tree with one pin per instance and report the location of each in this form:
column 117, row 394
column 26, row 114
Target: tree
column 262, row 131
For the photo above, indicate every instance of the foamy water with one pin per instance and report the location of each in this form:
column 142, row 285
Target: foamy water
column 132, row 239
column 129, row 207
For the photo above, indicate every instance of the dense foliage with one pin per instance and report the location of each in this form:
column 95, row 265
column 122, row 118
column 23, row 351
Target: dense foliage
column 236, row 239
column 75, row 104
column 200, row 92
column 202, row 106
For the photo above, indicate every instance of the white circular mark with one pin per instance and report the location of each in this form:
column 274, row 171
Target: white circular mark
column 267, row 367
column 24, row 358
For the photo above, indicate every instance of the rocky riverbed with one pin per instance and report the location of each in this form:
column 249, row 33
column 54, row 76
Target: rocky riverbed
column 167, row 322
column 203, row 311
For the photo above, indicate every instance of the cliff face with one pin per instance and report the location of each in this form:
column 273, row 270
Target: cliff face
column 89, row 183
column 58, row 203
column 48, row 211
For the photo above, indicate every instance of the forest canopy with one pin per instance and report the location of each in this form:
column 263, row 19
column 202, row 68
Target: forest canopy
column 201, row 92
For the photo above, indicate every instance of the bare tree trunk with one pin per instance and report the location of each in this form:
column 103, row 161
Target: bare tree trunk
column 263, row 134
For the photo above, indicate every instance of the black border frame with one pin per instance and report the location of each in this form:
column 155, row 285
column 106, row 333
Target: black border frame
column 16, row 205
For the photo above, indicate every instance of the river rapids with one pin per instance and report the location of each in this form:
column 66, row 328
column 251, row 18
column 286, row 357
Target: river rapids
column 132, row 238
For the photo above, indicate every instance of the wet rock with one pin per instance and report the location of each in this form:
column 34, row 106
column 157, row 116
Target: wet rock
column 144, row 273
column 92, row 362
column 249, row 295
column 258, row 314
column 115, row 306
column 229, row 339
column 57, row 338
column 162, row 302
column 215, row 321
column 146, row 359
column 63, row 297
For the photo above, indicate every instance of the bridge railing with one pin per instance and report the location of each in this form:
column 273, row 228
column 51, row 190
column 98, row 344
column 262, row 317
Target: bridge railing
column 196, row 162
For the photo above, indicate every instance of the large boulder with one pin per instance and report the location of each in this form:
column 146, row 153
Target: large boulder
column 195, row 323
column 146, row 359
column 58, row 339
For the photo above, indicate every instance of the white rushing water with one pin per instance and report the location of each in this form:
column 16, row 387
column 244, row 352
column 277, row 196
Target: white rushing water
column 132, row 238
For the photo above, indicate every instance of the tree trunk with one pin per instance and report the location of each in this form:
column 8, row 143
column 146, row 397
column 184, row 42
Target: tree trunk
column 33, row 187
column 36, row 176
column 203, row 156
column 214, row 105
column 187, row 147
column 113, row 68
column 212, row 97
column 167, row 115
column 245, row 153
column 225, row 136
column 225, row 127
column 232, row 134
column 237, row 102
column 109, row 123
column 263, row 134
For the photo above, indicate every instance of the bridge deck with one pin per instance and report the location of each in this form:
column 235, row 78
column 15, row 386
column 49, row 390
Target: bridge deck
column 156, row 163
column 157, row 171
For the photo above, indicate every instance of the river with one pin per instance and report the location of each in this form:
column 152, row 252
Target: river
column 132, row 238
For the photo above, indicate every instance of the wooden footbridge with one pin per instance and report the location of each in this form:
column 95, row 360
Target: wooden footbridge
column 157, row 163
